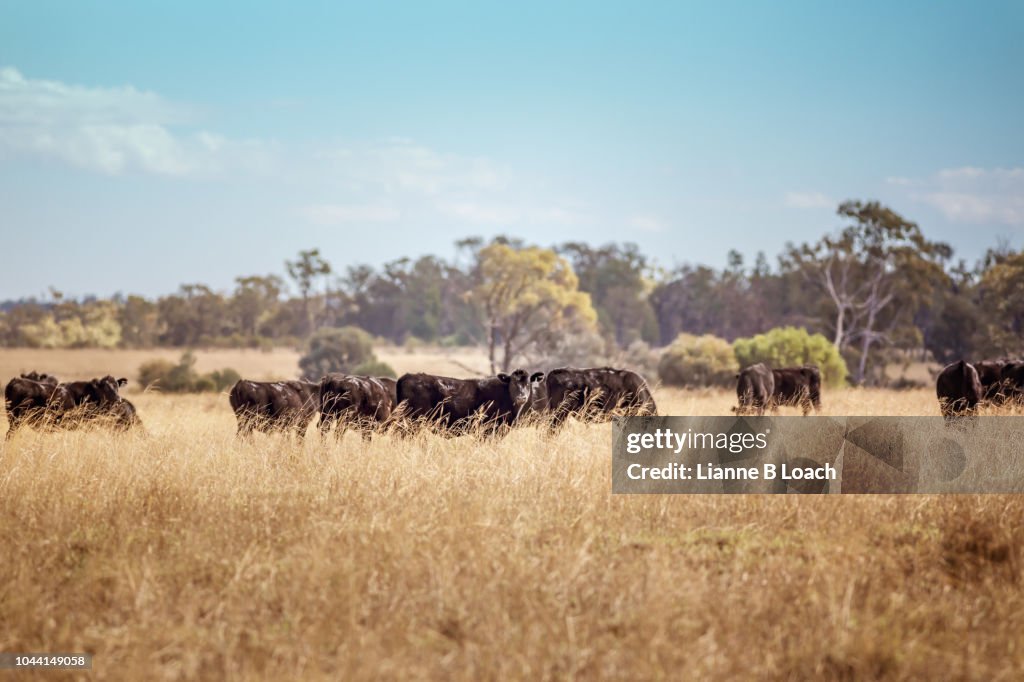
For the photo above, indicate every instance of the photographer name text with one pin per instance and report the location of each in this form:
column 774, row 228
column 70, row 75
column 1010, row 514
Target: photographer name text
column 713, row 472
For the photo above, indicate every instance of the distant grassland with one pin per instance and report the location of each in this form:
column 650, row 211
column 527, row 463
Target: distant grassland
column 186, row 554
column 279, row 363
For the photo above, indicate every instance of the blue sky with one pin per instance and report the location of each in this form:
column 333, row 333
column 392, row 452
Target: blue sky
column 142, row 147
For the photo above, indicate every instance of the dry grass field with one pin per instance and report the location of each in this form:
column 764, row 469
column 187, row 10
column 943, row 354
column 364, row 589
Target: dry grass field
column 185, row 554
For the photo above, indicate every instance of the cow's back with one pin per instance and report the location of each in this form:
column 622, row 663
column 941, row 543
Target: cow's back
column 958, row 387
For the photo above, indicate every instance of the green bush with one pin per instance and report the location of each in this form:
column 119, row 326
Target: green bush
column 698, row 361
column 154, row 372
column 336, row 350
column 183, row 378
column 223, row 379
column 791, row 347
column 375, row 368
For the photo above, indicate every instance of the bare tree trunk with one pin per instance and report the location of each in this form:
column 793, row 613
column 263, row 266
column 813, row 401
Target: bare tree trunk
column 840, row 319
column 309, row 313
column 865, row 346
column 507, row 360
column 491, row 342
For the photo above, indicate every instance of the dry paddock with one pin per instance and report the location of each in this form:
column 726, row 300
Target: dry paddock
column 185, row 554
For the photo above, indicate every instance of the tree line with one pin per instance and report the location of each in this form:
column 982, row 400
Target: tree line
column 878, row 289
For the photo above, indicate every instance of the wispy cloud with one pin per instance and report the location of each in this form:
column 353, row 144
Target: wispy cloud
column 111, row 130
column 808, row 200
column 340, row 214
column 402, row 165
column 122, row 130
column 900, row 181
column 970, row 194
column 647, row 223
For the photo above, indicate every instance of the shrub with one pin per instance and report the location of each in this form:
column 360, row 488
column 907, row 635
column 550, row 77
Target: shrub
column 336, row 350
column 640, row 357
column 375, row 368
column 576, row 347
column 154, row 371
column 792, row 346
column 697, row 361
column 183, row 378
column 224, row 379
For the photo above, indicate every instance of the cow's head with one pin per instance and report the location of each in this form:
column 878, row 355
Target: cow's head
column 41, row 377
column 105, row 390
column 520, row 387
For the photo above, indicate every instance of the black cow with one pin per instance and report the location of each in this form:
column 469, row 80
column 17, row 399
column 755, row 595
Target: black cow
column 78, row 401
column 1011, row 378
column 269, row 405
column 364, row 402
column 990, row 375
column 26, row 399
column 797, row 386
column 958, row 389
column 453, row 405
column 597, row 393
column 755, row 386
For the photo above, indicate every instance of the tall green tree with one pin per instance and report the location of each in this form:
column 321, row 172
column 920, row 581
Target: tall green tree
column 254, row 298
column 304, row 271
column 873, row 275
column 527, row 297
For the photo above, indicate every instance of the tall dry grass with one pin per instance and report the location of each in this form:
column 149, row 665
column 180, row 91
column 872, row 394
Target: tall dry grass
column 186, row 554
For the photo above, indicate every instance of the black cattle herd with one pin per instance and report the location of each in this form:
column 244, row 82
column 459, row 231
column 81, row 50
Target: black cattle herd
column 452, row 406
column 445, row 405
column 962, row 387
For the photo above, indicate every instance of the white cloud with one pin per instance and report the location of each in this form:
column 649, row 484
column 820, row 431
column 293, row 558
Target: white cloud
column 900, row 181
column 975, row 195
column 336, row 214
column 111, row 130
column 400, row 165
column 808, row 200
column 121, row 130
column 647, row 223
column 485, row 214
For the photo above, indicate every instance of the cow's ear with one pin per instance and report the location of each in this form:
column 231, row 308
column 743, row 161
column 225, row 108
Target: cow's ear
column 536, row 376
column 504, row 378
column 122, row 381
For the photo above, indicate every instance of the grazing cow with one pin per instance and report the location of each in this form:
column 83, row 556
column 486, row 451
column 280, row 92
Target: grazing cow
column 79, row 401
column 95, row 392
column 364, row 402
column 797, row 386
column 26, row 399
column 990, row 374
column 1011, row 378
column 595, row 394
column 452, row 405
column 958, row 389
column 269, row 405
column 755, row 386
